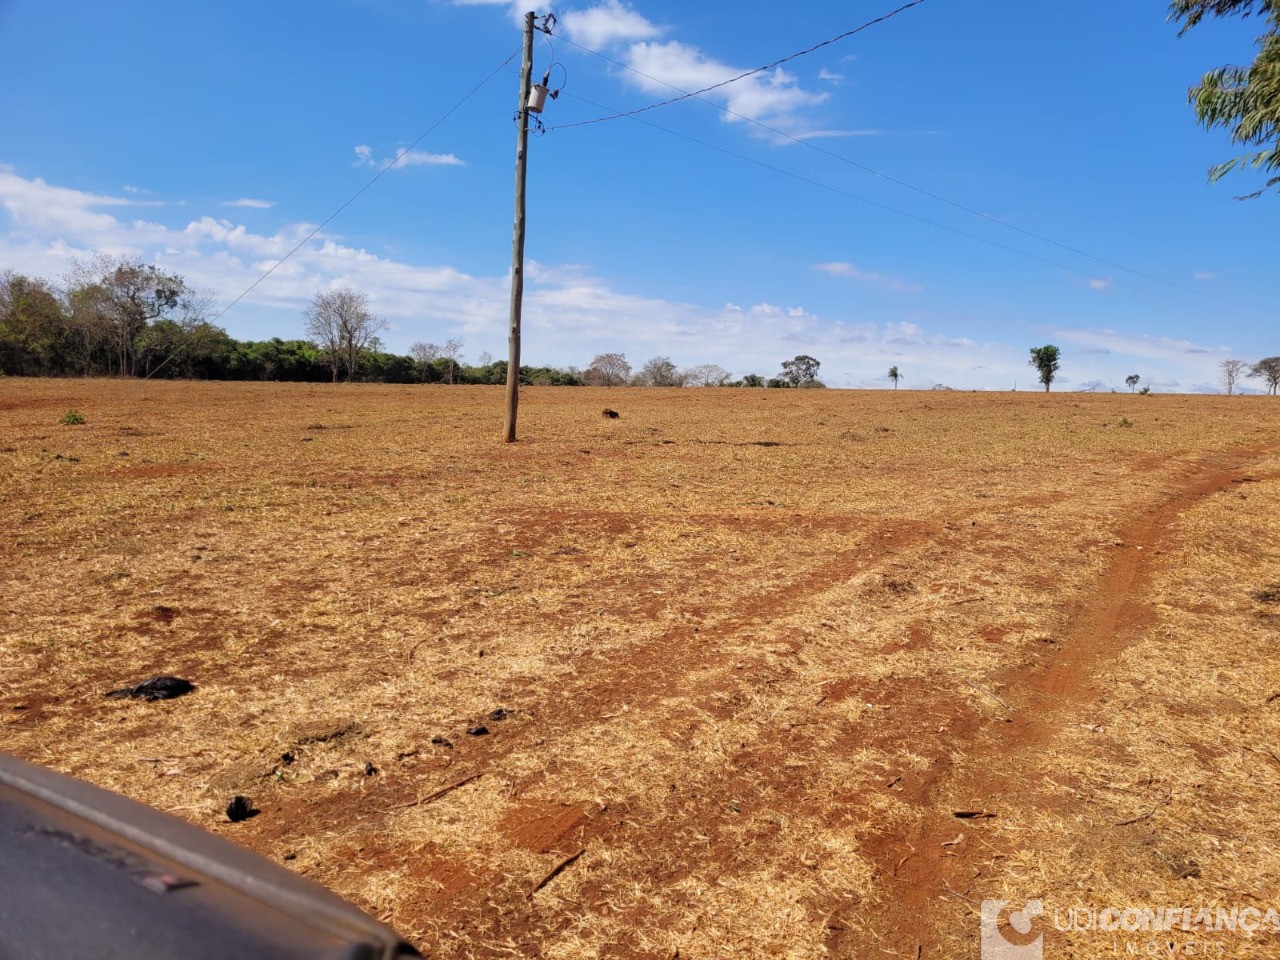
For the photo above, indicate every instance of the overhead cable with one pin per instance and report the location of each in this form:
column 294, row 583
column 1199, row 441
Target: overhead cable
column 741, row 76
column 802, row 141
column 389, row 165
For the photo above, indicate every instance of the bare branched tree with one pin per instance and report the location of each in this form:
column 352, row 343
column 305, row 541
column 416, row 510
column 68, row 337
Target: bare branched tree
column 707, row 375
column 452, row 351
column 424, row 355
column 660, row 372
column 608, row 370
column 1268, row 369
column 341, row 323
column 1232, row 371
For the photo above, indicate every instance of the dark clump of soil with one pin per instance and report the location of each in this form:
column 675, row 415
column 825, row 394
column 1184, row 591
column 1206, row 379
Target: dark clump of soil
column 240, row 809
column 157, row 688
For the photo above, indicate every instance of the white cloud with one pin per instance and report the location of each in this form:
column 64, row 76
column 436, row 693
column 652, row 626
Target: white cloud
column 841, row 269
column 404, row 159
column 1168, row 353
column 44, row 207
column 1100, row 284
column 607, row 24
column 830, row 76
column 250, row 202
column 50, row 226
column 830, row 134
column 571, row 314
column 557, row 274
column 905, row 333
column 1205, row 275
column 665, row 69
column 773, row 97
column 413, row 158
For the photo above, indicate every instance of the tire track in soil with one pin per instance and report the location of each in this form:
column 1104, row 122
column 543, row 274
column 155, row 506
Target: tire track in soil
column 917, row 869
column 647, row 672
column 642, row 676
column 654, row 669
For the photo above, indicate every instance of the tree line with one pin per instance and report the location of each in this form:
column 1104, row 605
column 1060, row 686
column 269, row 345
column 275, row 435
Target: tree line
column 1048, row 359
column 613, row 370
column 119, row 316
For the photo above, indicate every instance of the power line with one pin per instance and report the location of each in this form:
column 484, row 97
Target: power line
column 782, row 134
column 881, row 206
column 844, row 193
column 349, row 201
column 742, row 76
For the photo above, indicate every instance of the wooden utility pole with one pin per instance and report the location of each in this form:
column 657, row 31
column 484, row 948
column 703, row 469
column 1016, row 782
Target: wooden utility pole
column 517, row 247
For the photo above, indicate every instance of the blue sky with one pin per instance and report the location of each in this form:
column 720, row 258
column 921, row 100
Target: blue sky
column 210, row 138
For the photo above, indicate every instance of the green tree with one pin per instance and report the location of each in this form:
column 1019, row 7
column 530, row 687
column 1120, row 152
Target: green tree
column 496, row 372
column 1245, row 101
column 1045, row 359
column 550, row 377
column 753, row 380
column 895, row 376
column 154, row 344
column 126, row 295
column 1132, row 380
column 276, row 359
column 33, row 328
column 801, row 371
column 89, row 329
column 493, row 373
column 187, row 347
column 383, row 367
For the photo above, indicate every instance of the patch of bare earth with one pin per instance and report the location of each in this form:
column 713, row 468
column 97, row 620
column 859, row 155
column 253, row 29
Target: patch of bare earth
column 741, row 656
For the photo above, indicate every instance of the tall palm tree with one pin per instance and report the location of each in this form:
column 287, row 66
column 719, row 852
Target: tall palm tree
column 895, row 376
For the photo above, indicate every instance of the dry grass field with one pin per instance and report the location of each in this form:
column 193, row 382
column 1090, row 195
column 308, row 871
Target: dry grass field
column 756, row 649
